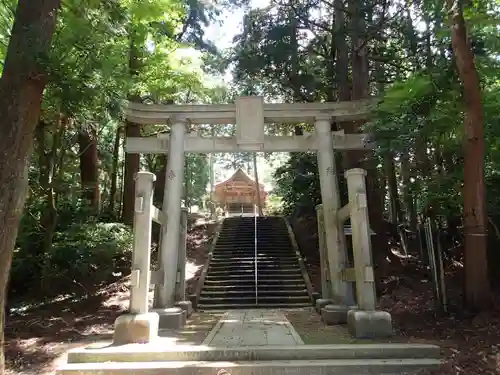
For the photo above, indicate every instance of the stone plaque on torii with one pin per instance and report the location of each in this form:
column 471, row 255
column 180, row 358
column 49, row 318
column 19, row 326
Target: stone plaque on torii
column 250, row 114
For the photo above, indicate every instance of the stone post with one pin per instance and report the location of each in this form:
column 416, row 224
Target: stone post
column 171, row 316
column 334, row 233
column 180, row 286
column 364, row 322
column 139, row 326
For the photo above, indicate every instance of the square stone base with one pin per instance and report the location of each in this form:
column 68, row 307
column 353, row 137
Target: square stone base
column 369, row 324
column 187, row 306
column 320, row 303
column 335, row 314
column 136, row 328
column 171, row 317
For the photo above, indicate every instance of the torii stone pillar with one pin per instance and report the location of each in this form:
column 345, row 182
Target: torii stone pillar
column 363, row 322
column 342, row 297
column 140, row 326
column 335, row 239
column 171, row 316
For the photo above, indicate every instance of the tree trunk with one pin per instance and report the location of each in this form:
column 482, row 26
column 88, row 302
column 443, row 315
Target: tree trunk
column 132, row 165
column 89, row 167
column 392, row 187
column 407, row 195
column 161, row 178
column 341, row 53
column 132, row 161
column 21, row 89
column 360, row 159
column 48, row 164
column 477, row 287
column 114, row 172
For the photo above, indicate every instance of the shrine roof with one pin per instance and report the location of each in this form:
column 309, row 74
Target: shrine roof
column 239, row 175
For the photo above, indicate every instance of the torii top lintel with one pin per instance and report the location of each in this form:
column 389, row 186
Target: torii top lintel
column 250, row 114
column 155, row 114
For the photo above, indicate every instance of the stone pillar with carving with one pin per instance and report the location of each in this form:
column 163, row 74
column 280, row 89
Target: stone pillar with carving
column 170, row 315
column 140, row 326
column 363, row 322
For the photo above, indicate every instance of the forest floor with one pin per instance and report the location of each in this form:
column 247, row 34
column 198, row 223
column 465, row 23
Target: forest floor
column 37, row 339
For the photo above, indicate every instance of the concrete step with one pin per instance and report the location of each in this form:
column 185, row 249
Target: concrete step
column 157, row 352
column 330, row 367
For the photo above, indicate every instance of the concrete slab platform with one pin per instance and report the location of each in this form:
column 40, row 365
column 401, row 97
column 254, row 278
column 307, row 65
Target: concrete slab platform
column 162, row 350
column 253, row 328
column 327, row 367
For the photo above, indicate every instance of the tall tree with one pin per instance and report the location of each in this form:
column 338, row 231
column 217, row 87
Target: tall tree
column 21, row 88
column 477, row 287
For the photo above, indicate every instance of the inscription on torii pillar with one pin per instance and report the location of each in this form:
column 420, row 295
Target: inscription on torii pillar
column 250, row 121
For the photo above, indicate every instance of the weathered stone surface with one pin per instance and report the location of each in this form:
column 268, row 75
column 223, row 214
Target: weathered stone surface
column 294, row 367
column 163, row 350
column 136, row 328
column 320, row 303
column 335, row 314
column 187, row 306
column 369, row 324
column 171, row 318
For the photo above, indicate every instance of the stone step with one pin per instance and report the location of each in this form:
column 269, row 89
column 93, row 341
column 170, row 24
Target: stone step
column 251, row 266
column 252, row 261
column 251, row 248
column 228, row 258
column 251, row 292
column 232, row 306
column 246, row 266
column 268, row 287
column 251, row 299
column 95, row 353
column 239, row 279
column 262, row 283
column 330, row 367
column 251, row 252
column 240, row 274
column 239, row 233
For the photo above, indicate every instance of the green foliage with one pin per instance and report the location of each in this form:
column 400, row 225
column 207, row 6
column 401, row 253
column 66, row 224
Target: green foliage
column 84, row 256
column 297, row 183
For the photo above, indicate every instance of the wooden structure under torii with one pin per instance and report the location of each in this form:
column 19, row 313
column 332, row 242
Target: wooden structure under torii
column 250, row 114
column 238, row 195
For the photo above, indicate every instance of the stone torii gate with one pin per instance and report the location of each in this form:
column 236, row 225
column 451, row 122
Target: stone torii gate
column 250, row 114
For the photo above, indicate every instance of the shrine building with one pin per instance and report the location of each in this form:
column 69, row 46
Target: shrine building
column 237, row 196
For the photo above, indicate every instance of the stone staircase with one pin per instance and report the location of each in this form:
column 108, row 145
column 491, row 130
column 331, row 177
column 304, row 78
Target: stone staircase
column 237, row 278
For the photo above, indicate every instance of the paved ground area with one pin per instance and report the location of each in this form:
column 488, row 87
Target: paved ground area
column 253, row 328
